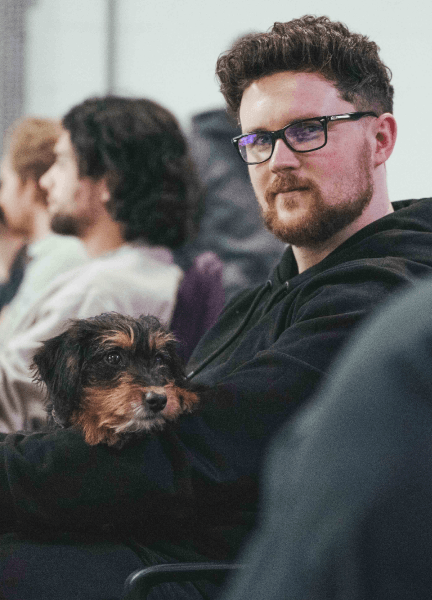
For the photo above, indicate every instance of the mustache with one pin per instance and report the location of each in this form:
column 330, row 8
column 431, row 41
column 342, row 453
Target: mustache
column 283, row 184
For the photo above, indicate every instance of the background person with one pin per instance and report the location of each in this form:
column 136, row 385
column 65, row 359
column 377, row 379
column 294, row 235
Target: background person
column 29, row 153
column 190, row 492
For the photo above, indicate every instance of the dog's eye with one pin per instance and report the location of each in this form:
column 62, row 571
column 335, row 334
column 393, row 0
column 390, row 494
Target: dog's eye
column 112, row 358
column 158, row 359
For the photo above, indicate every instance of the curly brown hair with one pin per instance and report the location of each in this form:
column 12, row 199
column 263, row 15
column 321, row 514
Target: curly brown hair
column 140, row 148
column 309, row 44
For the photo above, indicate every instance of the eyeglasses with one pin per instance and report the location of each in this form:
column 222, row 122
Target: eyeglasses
column 300, row 136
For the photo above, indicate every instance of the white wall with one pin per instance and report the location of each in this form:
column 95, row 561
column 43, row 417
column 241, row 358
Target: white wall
column 167, row 51
column 65, row 47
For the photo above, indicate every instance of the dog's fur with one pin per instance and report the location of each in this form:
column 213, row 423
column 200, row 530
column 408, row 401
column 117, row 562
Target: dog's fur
column 113, row 376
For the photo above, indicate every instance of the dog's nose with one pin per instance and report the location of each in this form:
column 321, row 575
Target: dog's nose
column 155, row 402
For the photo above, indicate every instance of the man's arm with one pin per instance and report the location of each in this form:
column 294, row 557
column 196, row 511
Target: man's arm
column 56, row 481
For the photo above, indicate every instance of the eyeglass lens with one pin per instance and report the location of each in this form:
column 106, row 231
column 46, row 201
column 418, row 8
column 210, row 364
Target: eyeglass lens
column 302, row 136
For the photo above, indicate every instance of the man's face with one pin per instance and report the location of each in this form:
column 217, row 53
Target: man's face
column 71, row 202
column 307, row 198
column 16, row 200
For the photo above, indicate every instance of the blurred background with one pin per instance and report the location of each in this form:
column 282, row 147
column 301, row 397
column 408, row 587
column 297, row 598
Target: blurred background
column 55, row 53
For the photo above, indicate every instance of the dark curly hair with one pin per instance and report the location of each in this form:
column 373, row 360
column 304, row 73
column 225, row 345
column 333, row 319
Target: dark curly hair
column 309, row 44
column 139, row 146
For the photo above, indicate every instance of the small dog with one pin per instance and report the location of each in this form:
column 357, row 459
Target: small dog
column 113, row 376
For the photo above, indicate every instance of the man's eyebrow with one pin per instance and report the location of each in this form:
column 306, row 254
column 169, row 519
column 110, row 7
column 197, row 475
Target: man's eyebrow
column 257, row 130
column 292, row 122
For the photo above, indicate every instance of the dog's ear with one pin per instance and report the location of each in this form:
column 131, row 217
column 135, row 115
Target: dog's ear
column 57, row 363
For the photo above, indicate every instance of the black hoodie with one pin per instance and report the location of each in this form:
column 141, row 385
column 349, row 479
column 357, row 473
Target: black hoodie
column 191, row 490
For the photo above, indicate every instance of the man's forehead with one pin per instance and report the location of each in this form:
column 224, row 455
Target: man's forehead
column 64, row 144
column 274, row 100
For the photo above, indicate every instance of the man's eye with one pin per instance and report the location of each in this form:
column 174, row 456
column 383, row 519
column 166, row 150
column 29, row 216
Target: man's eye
column 112, row 358
column 305, row 131
column 253, row 140
column 263, row 139
column 257, row 140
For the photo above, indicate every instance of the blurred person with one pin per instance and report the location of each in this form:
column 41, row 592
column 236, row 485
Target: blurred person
column 10, row 244
column 231, row 223
column 29, row 153
column 12, row 262
column 316, row 136
column 347, row 488
column 120, row 183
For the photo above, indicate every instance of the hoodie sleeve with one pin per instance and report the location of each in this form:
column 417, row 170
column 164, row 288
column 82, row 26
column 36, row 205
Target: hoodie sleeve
column 55, row 481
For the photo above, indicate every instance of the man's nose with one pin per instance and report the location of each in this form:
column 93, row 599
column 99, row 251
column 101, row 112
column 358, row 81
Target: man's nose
column 283, row 157
column 45, row 180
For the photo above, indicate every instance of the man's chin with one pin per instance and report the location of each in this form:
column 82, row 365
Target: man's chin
column 287, row 212
column 282, row 224
column 301, row 225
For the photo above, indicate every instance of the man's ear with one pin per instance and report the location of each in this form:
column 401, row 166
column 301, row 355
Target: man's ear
column 385, row 137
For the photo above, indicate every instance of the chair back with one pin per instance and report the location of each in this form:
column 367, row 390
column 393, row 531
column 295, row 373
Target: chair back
column 200, row 299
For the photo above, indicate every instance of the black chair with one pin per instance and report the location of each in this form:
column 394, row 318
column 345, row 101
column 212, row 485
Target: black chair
column 140, row 582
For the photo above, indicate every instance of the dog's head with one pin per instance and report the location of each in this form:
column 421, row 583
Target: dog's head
column 112, row 374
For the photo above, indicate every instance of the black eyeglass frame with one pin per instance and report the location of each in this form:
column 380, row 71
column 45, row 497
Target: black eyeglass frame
column 280, row 133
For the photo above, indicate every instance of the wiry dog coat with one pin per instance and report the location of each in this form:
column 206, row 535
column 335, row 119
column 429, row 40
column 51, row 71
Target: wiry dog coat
column 113, row 376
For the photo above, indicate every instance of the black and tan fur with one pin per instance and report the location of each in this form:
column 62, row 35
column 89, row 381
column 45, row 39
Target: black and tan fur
column 113, row 377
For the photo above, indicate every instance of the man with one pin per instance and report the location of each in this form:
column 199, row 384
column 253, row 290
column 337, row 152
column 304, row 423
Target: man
column 121, row 184
column 191, row 492
column 347, row 492
column 29, row 154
